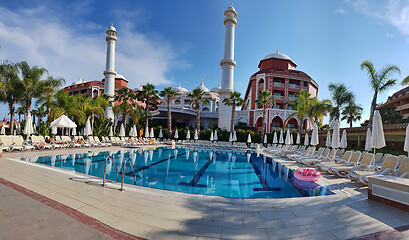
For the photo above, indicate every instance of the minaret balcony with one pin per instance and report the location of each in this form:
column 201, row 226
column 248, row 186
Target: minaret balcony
column 227, row 61
column 230, row 20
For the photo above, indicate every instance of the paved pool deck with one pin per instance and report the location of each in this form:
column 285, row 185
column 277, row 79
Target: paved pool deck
column 158, row 214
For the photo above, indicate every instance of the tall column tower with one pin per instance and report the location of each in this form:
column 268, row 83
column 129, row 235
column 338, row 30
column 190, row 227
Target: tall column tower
column 227, row 64
column 110, row 72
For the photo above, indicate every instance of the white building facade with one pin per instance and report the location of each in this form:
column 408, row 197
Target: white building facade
column 183, row 114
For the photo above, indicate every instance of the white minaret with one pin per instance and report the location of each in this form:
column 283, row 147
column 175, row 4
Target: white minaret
column 110, row 72
column 228, row 65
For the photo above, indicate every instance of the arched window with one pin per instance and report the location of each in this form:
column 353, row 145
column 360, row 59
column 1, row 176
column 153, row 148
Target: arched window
column 261, row 85
column 177, row 102
column 206, row 109
column 95, row 93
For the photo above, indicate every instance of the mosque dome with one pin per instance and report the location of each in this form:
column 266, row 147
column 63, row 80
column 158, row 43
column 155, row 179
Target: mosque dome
column 231, row 8
column 216, row 89
column 120, row 76
column 138, row 88
column 79, row 81
column 277, row 55
column 203, row 88
column 180, row 89
column 111, row 28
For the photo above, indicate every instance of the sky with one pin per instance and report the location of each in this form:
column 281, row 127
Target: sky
column 170, row 42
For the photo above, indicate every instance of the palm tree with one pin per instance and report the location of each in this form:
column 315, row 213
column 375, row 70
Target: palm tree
column 379, row 81
column 48, row 89
column 32, row 83
column 96, row 106
column 352, row 113
column 234, row 100
column 310, row 107
column 196, row 99
column 340, row 96
column 40, row 113
column 169, row 93
column 20, row 111
column 302, row 105
column 264, row 98
column 319, row 109
column 148, row 94
column 124, row 96
column 11, row 88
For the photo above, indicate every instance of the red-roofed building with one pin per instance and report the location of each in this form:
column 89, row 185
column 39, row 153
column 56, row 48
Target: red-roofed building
column 277, row 74
column 95, row 89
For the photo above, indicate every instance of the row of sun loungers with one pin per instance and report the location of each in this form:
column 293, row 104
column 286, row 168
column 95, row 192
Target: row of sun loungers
column 10, row 143
column 354, row 165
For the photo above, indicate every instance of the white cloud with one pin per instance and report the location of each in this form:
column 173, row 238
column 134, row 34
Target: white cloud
column 339, row 11
column 393, row 12
column 42, row 39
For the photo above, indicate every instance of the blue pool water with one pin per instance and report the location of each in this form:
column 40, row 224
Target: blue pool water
column 225, row 173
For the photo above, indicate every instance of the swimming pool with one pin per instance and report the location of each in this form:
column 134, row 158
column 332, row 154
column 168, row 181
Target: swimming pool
column 227, row 173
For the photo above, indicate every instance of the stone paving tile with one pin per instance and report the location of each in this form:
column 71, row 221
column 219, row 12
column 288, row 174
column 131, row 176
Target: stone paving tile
column 167, row 224
column 230, row 223
column 318, row 236
column 200, row 230
column 288, row 232
column 233, row 233
column 161, row 234
column 328, row 226
column 257, row 223
column 25, row 218
column 353, row 231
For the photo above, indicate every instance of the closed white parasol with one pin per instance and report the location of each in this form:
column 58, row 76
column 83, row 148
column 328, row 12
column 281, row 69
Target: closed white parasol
column 344, row 142
column 314, row 136
column 378, row 137
column 328, row 140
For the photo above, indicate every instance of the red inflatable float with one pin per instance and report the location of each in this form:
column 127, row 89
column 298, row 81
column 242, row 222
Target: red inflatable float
column 307, row 174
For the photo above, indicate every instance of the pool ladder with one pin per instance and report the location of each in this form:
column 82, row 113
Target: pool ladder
column 123, row 171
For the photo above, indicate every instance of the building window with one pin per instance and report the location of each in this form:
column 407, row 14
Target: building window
column 206, row 109
column 276, row 107
column 177, row 102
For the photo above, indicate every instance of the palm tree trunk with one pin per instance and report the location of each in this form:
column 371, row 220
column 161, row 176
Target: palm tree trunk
column 92, row 120
column 48, row 113
column 28, row 106
column 169, row 119
column 198, row 118
column 233, row 116
column 350, row 124
column 263, row 123
column 12, row 108
column 373, row 105
column 147, row 113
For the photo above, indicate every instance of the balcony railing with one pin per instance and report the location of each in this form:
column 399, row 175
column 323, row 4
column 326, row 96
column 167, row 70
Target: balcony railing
column 291, row 98
column 278, row 84
column 278, row 97
column 294, row 86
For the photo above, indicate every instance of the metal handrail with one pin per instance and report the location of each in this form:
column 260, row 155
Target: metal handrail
column 117, row 175
column 123, row 172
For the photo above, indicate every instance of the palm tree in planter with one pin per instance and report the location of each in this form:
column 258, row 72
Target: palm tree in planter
column 379, row 81
column 234, row 100
column 169, row 93
column 196, row 99
column 264, row 98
